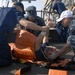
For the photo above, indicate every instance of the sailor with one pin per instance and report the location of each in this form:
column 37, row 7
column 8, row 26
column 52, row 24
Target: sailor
column 32, row 16
column 59, row 7
column 9, row 17
column 66, row 20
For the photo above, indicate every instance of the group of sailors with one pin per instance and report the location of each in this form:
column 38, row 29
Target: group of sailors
column 10, row 16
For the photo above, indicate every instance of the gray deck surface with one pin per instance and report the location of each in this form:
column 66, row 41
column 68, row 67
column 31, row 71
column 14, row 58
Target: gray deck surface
column 35, row 70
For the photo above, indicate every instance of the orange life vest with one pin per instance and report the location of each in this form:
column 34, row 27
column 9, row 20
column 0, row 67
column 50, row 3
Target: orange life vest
column 24, row 45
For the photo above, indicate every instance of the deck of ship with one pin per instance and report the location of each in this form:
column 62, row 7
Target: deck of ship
column 35, row 70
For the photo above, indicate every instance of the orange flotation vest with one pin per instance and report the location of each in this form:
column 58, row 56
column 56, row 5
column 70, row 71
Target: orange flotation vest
column 24, row 45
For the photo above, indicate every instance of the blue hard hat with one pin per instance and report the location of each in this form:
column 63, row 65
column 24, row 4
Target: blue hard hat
column 31, row 11
column 21, row 5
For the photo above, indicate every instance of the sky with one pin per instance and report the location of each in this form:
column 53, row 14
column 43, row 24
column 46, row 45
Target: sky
column 38, row 4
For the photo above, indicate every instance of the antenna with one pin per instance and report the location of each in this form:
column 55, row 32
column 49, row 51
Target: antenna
column 7, row 3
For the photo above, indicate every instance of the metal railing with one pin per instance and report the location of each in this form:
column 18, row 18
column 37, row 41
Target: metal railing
column 43, row 14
